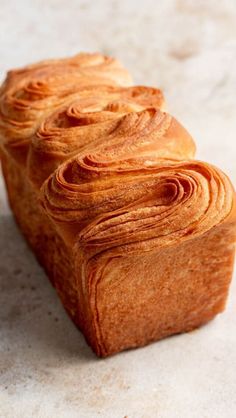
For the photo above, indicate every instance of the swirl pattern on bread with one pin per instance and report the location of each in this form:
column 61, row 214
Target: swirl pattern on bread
column 97, row 113
column 33, row 92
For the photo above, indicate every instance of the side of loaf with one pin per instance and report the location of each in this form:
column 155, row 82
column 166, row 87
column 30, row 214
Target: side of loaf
column 137, row 237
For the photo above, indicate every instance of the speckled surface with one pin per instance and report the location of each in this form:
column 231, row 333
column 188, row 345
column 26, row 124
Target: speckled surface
column 188, row 48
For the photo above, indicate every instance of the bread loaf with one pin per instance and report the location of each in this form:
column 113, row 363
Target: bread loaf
column 137, row 236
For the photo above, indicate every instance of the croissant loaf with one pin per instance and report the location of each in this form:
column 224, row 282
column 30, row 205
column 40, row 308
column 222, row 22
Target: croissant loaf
column 136, row 236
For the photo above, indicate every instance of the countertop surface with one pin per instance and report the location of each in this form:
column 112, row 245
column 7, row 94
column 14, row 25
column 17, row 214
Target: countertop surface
column 188, row 48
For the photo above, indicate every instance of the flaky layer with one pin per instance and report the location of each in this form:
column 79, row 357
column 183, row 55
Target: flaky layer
column 31, row 93
column 136, row 205
column 96, row 114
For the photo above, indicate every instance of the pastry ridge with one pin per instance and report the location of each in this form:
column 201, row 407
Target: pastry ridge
column 31, row 93
column 82, row 123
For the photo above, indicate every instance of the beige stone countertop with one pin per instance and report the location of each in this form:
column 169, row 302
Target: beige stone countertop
column 188, row 48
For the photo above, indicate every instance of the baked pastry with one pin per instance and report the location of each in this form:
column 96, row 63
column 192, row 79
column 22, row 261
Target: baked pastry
column 136, row 236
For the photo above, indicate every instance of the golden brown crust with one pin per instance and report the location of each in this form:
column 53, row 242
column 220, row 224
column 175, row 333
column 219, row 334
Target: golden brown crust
column 132, row 301
column 31, row 93
column 137, row 237
column 97, row 113
column 136, row 205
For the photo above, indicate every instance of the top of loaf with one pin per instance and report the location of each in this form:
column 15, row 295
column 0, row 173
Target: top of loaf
column 113, row 170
